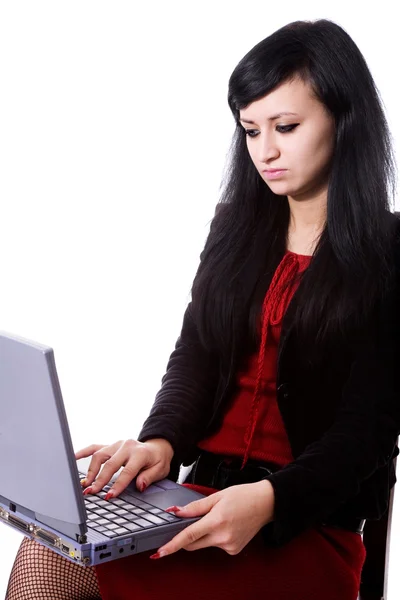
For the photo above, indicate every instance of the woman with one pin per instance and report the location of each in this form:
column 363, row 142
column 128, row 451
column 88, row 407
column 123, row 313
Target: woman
column 286, row 355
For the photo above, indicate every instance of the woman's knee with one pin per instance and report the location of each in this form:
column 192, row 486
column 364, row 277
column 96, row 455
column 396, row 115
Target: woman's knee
column 40, row 573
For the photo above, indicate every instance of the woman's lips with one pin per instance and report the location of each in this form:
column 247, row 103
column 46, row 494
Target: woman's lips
column 274, row 173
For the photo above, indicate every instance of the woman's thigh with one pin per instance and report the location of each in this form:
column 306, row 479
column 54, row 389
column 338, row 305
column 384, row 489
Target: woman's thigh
column 316, row 564
column 38, row 573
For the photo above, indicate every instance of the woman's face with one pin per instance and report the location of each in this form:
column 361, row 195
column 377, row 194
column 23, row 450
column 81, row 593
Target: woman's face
column 301, row 143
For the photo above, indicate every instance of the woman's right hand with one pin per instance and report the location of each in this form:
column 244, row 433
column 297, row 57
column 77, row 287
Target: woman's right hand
column 150, row 461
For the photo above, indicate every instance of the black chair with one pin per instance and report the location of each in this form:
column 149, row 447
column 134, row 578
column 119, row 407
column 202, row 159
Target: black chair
column 376, row 538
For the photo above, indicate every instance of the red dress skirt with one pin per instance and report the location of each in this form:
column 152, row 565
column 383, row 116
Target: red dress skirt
column 321, row 562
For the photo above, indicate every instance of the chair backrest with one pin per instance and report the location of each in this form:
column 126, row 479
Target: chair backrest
column 389, row 524
column 388, row 534
column 376, row 538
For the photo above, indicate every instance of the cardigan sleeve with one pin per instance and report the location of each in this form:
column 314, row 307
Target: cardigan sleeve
column 183, row 406
column 361, row 440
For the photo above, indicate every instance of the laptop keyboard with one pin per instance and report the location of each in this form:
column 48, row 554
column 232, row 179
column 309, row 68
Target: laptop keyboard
column 118, row 516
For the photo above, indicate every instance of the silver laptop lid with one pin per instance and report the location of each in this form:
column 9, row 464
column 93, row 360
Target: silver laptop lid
column 38, row 470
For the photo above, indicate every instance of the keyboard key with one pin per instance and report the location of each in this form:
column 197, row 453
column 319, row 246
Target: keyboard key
column 138, row 511
column 101, row 503
column 132, row 527
column 113, row 511
column 131, row 512
column 110, row 534
column 120, row 521
column 131, row 518
column 112, row 526
column 101, row 528
column 121, row 531
column 146, row 506
column 90, row 505
column 92, row 499
column 143, row 523
column 112, row 516
column 170, row 518
column 116, row 501
column 121, row 511
column 92, row 517
column 137, row 502
column 100, row 511
column 103, row 522
column 92, row 526
column 154, row 519
column 127, row 506
column 155, row 511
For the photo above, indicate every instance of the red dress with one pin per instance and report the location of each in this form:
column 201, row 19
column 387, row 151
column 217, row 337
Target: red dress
column 321, row 562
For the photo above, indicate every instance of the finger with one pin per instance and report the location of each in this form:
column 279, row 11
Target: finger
column 147, row 476
column 137, row 463
column 99, row 458
column 128, row 473
column 205, row 542
column 88, row 451
column 188, row 536
column 197, row 508
column 132, row 465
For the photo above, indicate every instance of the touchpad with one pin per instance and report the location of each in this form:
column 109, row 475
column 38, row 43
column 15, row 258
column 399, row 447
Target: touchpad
column 177, row 497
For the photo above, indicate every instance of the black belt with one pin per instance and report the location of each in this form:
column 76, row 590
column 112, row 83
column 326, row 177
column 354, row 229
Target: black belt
column 220, row 472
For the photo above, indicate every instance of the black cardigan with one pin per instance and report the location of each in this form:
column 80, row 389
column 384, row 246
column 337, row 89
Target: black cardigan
column 342, row 418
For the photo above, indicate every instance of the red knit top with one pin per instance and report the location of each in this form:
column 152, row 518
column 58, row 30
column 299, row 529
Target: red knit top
column 252, row 426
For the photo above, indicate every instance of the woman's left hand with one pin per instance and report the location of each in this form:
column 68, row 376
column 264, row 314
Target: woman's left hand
column 233, row 516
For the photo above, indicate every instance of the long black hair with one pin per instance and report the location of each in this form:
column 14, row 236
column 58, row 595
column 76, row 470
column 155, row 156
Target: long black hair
column 351, row 266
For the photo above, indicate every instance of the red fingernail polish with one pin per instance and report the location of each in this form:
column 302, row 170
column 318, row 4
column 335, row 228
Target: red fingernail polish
column 109, row 495
column 87, row 491
column 144, row 487
column 173, row 508
column 156, row 555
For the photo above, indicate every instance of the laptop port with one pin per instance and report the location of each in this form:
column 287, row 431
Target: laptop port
column 18, row 523
column 65, row 548
column 105, row 554
column 46, row 536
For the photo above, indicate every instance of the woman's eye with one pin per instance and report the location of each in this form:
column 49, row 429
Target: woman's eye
column 285, row 128
column 280, row 128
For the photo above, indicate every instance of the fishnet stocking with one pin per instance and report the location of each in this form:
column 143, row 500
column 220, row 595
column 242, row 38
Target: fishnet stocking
column 38, row 573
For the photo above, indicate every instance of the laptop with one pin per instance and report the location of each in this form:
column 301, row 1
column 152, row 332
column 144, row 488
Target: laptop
column 40, row 491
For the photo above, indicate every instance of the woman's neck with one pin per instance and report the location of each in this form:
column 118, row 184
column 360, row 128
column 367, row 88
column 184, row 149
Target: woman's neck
column 306, row 223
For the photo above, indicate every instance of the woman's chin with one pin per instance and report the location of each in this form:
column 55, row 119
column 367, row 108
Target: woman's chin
column 280, row 188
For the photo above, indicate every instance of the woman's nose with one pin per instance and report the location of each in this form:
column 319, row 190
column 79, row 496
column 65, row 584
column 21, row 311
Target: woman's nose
column 267, row 150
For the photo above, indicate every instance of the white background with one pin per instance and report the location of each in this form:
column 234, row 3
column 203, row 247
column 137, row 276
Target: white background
column 114, row 129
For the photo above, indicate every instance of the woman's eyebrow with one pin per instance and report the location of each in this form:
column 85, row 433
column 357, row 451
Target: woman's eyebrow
column 281, row 114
